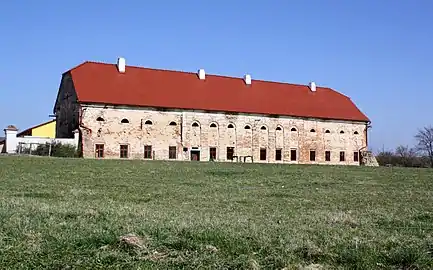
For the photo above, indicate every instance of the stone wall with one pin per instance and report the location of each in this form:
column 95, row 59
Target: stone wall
column 186, row 130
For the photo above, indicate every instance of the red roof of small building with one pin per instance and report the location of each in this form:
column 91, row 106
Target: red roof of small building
column 138, row 86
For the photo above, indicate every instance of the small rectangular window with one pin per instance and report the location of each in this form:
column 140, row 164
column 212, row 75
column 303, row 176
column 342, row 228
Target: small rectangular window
column 342, row 156
column 312, row 155
column 124, row 151
column 99, row 150
column 355, row 156
column 262, row 153
column 148, row 151
column 172, row 152
column 327, row 155
column 212, row 153
column 230, row 153
column 293, row 155
column 278, row 154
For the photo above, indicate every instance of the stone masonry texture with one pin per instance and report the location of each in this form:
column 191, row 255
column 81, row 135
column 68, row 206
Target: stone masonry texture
column 247, row 134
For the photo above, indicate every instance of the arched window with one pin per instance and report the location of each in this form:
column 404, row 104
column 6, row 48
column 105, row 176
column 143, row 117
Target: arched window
column 263, row 128
column 124, row 121
column 230, row 126
column 327, row 131
column 293, row 129
column 312, row 130
column 342, row 132
column 172, row 123
column 100, row 119
column 247, row 127
column 195, row 124
column 279, row 128
column 213, row 125
column 148, row 122
column 356, row 132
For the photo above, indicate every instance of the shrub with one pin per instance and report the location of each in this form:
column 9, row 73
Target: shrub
column 388, row 157
column 23, row 150
column 57, row 150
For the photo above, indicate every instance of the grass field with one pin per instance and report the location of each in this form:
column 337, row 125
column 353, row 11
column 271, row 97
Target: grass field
column 72, row 213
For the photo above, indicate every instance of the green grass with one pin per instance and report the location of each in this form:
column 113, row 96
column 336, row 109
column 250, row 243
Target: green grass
column 70, row 214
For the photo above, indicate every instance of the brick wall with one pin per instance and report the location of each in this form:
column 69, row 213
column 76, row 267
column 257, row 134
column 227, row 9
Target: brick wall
column 268, row 133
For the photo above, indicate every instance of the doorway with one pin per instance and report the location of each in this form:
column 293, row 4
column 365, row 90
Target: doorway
column 195, row 155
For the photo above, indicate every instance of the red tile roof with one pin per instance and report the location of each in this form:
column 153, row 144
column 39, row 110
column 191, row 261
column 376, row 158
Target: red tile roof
column 102, row 83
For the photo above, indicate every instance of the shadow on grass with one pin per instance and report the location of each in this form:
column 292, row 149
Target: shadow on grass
column 400, row 256
column 39, row 195
column 224, row 173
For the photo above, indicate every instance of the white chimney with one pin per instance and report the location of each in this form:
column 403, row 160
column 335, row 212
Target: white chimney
column 247, row 79
column 313, row 86
column 121, row 64
column 201, row 74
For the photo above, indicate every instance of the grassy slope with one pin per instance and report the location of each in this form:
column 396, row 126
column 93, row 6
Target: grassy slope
column 57, row 213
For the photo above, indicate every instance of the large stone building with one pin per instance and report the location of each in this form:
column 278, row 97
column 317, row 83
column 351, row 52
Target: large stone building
column 141, row 113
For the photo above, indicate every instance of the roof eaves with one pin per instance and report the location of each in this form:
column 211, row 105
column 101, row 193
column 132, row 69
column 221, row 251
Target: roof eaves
column 84, row 102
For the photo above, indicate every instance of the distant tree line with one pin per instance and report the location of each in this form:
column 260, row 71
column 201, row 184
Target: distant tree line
column 420, row 155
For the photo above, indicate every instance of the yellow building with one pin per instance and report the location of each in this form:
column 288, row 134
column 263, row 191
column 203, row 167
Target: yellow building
column 45, row 130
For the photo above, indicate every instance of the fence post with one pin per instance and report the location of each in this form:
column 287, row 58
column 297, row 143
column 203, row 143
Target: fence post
column 49, row 150
column 76, row 138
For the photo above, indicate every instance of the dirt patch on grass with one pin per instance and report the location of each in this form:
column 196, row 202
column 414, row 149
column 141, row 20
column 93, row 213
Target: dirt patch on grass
column 210, row 248
column 314, row 266
column 345, row 218
column 132, row 241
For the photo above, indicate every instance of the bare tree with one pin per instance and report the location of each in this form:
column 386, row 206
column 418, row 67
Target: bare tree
column 406, row 155
column 405, row 152
column 424, row 138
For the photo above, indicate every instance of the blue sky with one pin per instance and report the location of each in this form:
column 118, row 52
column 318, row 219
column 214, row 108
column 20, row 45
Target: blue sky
column 380, row 53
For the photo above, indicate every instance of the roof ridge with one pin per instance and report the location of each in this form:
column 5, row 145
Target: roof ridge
column 192, row 72
column 77, row 66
